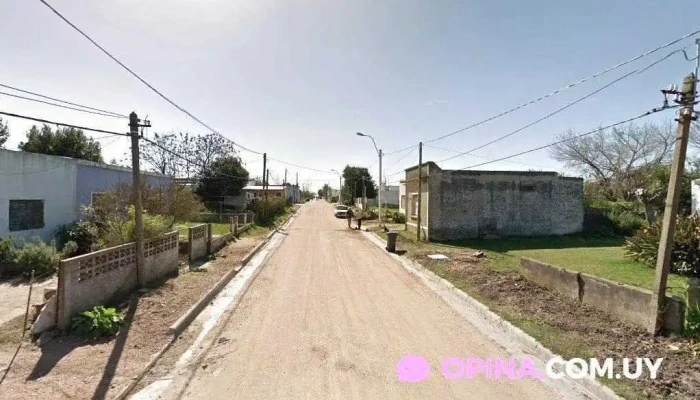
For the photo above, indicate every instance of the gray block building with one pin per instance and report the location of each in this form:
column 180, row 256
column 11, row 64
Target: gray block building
column 460, row 204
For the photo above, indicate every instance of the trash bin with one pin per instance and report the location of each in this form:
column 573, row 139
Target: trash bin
column 391, row 241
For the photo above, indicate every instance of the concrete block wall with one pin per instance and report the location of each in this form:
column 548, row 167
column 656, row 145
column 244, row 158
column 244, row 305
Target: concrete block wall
column 97, row 278
column 472, row 204
column 198, row 241
column 630, row 304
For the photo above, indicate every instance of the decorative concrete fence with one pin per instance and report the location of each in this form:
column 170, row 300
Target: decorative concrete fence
column 198, row 238
column 218, row 242
column 97, row 278
column 629, row 303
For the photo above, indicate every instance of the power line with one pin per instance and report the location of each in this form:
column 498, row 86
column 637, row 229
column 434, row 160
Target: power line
column 62, row 101
column 176, row 154
column 567, row 87
column 616, row 124
column 557, row 111
column 164, row 97
column 573, row 137
column 62, row 124
column 58, row 105
column 484, row 157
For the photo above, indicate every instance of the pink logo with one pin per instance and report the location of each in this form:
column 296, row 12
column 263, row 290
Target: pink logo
column 412, row 369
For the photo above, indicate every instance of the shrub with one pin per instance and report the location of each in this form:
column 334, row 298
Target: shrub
column 70, row 249
column 119, row 231
column 611, row 218
column 98, row 322
column 84, row 234
column 7, row 250
column 186, row 205
column 267, row 211
column 398, row 217
column 39, row 257
column 692, row 321
column 685, row 259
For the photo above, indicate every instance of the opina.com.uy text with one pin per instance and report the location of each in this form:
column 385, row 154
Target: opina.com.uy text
column 413, row 368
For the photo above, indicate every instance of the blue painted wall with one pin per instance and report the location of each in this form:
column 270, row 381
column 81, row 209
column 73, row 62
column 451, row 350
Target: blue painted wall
column 99, row 179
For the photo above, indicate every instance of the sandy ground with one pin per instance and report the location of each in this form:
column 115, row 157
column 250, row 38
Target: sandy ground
column 13, row 297
column 330, row 316
column 70, row 367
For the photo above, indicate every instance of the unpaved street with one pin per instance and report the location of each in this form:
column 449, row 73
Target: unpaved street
column 329, row 317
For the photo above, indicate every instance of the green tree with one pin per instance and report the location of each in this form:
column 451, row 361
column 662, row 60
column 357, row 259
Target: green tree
column 325, row 191
column 66, row 142
column 354, row 179
column 225, row 176
column 4, row 133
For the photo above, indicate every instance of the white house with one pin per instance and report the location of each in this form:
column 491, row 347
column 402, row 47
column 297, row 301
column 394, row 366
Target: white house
column 39, row 193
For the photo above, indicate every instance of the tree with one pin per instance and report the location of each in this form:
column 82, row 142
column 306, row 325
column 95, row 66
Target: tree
column 161, row 155
column 66, row 142
column 205, row 149
column 4, row 133
column 355, row 178
column 617, row 160
column 325, row 191
column 226, row 176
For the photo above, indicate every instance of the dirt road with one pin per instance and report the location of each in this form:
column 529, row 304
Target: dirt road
column 330, row 316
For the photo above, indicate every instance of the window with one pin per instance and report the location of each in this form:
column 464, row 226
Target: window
column 26, row 214
column 279, row 194
column 414, row 205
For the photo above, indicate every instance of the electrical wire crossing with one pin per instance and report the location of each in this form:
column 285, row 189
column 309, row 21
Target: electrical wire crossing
column 560, row 90
column 44, row 121
column 97, row 110
column 565, row 107
column 156, row 91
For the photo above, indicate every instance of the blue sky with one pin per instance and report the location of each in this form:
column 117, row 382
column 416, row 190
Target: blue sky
column 298, row 78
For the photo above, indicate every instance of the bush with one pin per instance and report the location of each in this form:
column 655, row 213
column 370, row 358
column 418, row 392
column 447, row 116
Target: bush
column 186, row 205
column 70, row 249
column 267, row 211
column 691, row 327
column 8, row 252
column 39, row 257
column 98, row 322
column 685, row 258
column 85, row 234
column 613, row 218
column 119, row 231
column 398, row 217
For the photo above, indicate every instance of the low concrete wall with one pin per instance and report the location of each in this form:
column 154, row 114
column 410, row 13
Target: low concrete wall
column 197, row 238
column 629, row 303
column 97, row 278
column 218, row 242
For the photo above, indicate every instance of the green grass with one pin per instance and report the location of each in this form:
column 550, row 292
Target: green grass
column 594, row 256
column 218, row 228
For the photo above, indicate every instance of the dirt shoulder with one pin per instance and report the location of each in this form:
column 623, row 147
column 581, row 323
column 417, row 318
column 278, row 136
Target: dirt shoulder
column 72, row 367
column 564, row 326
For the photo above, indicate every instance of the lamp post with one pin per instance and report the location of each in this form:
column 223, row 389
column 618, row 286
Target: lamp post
column 340, row 186
column 379, row 195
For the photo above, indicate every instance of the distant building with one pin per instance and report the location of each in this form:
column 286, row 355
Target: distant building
column 459, row 204
column 390, row 195
column 39, row 193
column 290, row 192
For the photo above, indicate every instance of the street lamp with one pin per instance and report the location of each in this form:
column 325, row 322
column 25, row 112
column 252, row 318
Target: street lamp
column 379, row 152
column 340, row 186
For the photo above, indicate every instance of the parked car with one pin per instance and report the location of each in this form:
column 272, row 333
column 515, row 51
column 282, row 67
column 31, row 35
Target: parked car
column 341, row 211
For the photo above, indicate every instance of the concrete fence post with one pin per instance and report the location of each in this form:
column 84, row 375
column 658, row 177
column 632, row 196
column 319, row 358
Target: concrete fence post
column 245, row 218
column 189, row 244
column 209, row 236
column 252, row 217
column 235, row 225
column 693, row 292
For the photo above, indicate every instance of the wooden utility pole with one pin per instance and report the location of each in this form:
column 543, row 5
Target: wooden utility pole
column 420, row 189
column 285, row 177
column 264, row 170
column 138, row 208
column 267, row 182
column 686, row 97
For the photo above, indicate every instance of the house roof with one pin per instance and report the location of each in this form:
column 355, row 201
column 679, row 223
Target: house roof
column 70, row 160
column 430, row 164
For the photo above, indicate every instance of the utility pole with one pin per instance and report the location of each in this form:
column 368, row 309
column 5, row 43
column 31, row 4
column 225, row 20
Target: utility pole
column 264, row 170
column 379, row 196
column 285, row 177
column 364, row 194
column 267, row 182
column 686, row 97
column 420, row 188
column 136, row 184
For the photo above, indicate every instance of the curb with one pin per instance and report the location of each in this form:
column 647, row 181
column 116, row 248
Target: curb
column 517, row 335
column 183, row 322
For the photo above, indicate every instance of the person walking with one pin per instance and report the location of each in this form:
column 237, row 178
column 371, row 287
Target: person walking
column 359, row 219
column 349, row 216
